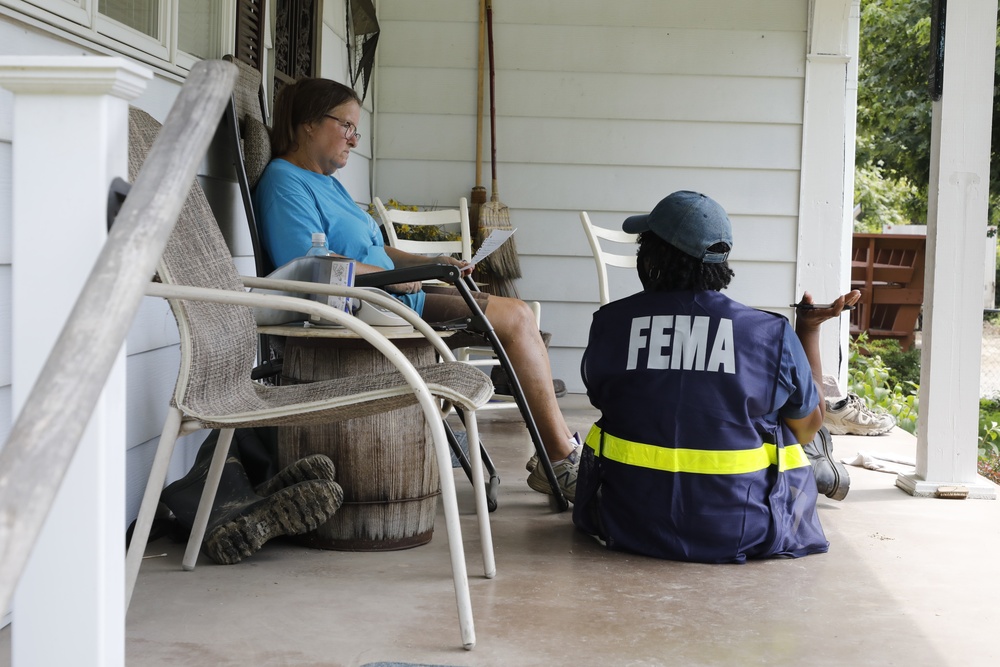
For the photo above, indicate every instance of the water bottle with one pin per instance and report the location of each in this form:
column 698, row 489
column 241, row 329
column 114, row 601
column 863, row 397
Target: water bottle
column 319, row 245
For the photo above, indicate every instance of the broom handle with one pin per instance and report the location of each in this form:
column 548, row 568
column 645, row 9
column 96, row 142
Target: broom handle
column 493, row 109
column 479, row 92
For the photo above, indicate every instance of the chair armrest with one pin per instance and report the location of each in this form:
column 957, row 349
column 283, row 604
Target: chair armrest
column 294, row 304
column 383, row 300
column 431, row 405
column 444, row 272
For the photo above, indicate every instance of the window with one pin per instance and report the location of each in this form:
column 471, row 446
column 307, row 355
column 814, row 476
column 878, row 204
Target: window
column 173, row 34
column 139, row 23
column 141, row 15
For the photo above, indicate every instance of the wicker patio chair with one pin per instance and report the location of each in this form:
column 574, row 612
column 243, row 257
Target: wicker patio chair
column 214, row 388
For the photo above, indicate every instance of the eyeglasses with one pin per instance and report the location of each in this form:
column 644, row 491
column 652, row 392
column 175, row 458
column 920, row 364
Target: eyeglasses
column 350, row 129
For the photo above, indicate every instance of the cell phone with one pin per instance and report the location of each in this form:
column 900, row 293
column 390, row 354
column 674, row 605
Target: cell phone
column 814, row 306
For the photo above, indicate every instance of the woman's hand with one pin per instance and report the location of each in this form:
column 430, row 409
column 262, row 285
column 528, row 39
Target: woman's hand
column 401, row 258
column 460, row 263
column 811, row 318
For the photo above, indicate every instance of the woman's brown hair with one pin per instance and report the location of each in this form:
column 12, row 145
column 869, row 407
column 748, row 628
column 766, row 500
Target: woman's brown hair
column 305, row 101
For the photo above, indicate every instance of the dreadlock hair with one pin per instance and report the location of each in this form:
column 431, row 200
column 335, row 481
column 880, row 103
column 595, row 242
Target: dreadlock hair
column 663, row 267
column 302, row 102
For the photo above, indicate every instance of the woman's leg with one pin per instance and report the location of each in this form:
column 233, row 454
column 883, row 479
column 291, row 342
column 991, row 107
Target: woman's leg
column 517, row 330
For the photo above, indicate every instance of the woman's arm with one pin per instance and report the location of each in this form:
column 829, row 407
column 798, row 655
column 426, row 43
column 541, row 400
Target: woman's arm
column 361, row 269
column 403, row 259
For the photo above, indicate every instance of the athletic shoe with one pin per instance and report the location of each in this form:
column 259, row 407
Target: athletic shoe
column 566, row 472
column 856, row 418
column 533, row 461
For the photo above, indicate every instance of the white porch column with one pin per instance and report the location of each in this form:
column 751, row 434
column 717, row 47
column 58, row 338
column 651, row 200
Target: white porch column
column 956, row 239
column 827, row 173
column 69, row 142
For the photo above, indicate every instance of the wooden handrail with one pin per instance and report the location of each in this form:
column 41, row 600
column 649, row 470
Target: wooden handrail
column 47, row 432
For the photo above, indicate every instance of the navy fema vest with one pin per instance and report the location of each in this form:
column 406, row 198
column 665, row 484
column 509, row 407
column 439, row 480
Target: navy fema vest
column 689, row 460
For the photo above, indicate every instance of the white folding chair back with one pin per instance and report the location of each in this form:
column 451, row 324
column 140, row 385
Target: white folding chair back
column 604, row 258
column 476, row 355
column 455, row 220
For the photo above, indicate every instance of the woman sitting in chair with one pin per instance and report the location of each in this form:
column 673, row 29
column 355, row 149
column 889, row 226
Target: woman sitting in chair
column 315, row 129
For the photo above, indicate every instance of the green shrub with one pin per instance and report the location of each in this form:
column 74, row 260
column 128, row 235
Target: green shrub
column 989, row 428
column 882, row 388
column 902, row 365
column 887, row 378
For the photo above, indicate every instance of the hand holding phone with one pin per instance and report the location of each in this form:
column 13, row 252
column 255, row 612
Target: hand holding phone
column 815, row 306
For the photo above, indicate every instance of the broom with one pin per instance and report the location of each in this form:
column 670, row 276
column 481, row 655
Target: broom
column 502, row 267
column 478, row 196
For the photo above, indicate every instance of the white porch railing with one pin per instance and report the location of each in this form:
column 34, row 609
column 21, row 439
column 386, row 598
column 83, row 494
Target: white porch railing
column 53, row 418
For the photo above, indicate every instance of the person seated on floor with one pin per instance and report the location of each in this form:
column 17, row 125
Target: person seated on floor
column 314, row 131
column 704, row 403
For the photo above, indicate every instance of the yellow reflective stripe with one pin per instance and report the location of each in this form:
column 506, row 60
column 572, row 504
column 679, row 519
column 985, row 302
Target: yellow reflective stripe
column 699, row 461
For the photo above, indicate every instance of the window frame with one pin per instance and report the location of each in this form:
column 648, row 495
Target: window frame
column 81, row 20
column 155, row 45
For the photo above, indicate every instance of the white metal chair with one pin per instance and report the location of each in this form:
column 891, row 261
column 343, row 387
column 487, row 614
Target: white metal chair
column 214, row 388
column 605, row 258
column 475, row 354
column 455, row 220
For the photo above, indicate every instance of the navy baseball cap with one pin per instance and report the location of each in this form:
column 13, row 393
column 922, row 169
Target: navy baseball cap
column 689, row 221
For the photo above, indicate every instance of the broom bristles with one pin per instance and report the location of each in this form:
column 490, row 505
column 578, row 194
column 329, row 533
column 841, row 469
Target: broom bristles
column 503, row 263
column 495, row 285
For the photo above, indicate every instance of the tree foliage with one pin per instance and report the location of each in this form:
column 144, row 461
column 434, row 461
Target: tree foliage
column 883, row 200
column 894, row 112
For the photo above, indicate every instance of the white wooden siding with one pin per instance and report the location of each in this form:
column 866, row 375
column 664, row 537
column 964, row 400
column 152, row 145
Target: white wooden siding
column 743, row 15
column 605, row 107
column 6, row 128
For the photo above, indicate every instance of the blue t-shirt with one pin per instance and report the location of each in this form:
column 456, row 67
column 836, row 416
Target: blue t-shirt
column 292, row 203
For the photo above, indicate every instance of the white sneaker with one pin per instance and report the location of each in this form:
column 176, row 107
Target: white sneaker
column 566, row 473
column 856, row 418
column 533, row 461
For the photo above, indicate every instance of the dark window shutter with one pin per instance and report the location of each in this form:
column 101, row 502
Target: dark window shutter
column 250, row 31
column 295, row 40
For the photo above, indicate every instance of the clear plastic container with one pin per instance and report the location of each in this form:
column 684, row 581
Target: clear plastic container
column 319, row 245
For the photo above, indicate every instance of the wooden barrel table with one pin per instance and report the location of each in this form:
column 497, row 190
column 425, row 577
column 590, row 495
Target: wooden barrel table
column 385, row 463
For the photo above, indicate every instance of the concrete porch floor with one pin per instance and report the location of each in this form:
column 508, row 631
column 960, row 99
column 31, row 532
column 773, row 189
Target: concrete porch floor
column 907, row 581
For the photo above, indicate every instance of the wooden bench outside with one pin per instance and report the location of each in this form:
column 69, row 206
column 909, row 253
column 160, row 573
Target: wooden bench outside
column 888, row 269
